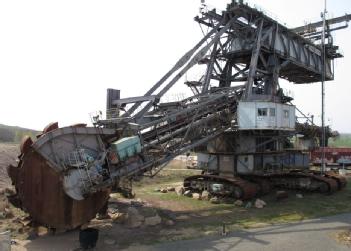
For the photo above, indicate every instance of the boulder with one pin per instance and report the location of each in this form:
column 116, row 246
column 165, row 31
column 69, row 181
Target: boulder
column 152, row 221
column 215, row 200
column 188, row 193
column 196, row 196
column 299, row 196
column 260, row 203
column 163, row 190
column 134, row 218
column 205, row 195
column 179, row 190
column 238, row 203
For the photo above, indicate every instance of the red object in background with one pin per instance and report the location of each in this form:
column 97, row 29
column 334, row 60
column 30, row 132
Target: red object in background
column 333, row 155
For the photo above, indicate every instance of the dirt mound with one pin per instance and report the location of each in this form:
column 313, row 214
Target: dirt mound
column 8, row 155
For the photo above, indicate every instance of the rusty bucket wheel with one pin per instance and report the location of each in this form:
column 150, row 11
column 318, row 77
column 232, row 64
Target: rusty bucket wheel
column 40, row 191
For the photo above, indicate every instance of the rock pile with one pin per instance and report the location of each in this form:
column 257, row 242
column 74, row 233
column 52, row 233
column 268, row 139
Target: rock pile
column 205, row 195
column 139, row 216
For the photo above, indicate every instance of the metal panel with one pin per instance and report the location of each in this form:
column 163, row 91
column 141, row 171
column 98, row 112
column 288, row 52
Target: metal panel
column 265, row 115
column 207, row 161
column 226, row 165
column 42, row 196
column 57, row 144
column 245, row 164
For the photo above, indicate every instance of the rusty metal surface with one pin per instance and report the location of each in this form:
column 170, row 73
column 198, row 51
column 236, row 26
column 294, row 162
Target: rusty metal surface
column 341, row 181
column 332, row 184
column 25, row 144
column 264, row 185
column 50, row 127
column 40, row 190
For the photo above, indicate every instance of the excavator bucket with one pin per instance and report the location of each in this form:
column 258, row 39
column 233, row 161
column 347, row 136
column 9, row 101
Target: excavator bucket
column 41, row 192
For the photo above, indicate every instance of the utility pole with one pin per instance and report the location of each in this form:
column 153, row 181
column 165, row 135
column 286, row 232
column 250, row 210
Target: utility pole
column 323, row 89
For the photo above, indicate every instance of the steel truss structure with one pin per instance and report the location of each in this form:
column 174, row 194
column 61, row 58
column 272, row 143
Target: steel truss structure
column 64, row 176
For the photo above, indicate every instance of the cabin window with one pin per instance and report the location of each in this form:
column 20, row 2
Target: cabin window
column 286, row 113
column 272, row 112
column 262, row 111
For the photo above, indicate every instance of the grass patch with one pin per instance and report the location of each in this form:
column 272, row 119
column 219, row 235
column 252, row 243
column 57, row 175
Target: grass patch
column 344, row 140
column 203, row 217
column 166, row 176
column 197, row 218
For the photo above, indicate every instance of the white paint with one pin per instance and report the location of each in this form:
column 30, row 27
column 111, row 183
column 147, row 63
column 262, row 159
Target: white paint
column 249, row 117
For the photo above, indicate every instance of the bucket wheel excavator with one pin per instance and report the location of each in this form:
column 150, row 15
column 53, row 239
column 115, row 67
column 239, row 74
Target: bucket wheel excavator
column 238, row 120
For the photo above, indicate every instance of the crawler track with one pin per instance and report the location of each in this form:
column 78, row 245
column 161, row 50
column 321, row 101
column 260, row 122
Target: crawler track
column 248, row 186
column 303, row 181
column 341, row 181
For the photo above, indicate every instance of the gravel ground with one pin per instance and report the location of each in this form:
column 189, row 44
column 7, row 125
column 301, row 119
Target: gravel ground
column 318, row 234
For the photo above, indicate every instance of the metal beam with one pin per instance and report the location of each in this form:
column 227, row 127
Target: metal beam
column 133, row 100
column 181, row 62
column 311, row 27
column 194, row 60
column 253, row 63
